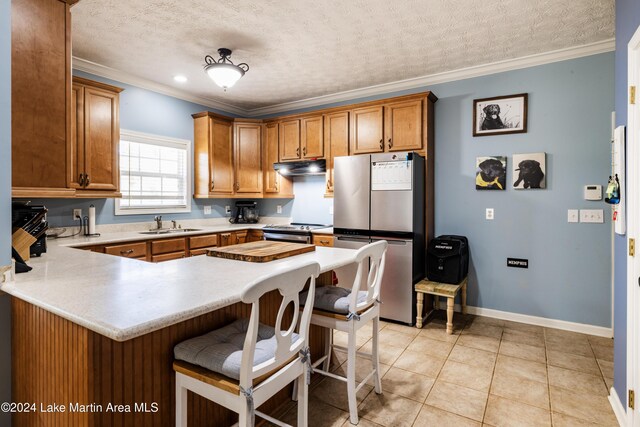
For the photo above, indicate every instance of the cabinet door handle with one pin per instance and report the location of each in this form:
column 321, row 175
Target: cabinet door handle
column 298, row 151
column 81, row 180
column 275, row 182
column 381, row 145
column 390, row 143
column 127, row 252
column 304, row 151
column 212, row 186
column 86, row 180
column 237, row 186
column 324, row 242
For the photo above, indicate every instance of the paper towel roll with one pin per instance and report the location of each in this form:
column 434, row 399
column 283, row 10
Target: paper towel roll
column 92, row 219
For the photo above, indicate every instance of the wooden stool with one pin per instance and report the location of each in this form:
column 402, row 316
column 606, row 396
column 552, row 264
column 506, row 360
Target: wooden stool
column 438, row 289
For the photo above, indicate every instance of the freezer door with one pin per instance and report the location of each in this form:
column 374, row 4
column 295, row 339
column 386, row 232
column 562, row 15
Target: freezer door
column 351, row 192
column 347, row 274
column 396, row 292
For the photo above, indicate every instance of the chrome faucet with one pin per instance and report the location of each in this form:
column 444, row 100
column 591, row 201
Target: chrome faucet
column 158, row 220
column 174, row 225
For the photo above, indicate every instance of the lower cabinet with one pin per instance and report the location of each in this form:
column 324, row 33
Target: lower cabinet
column 167, row 249
column 322, row 240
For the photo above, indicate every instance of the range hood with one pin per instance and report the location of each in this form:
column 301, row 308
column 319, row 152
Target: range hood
column 304, row 167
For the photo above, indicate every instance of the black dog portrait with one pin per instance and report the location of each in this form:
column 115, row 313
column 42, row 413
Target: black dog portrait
column 530, row 174
column 491, row 173
column 492, row 118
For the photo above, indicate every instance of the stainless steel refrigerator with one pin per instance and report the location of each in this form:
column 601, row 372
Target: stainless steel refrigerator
column 382, row 197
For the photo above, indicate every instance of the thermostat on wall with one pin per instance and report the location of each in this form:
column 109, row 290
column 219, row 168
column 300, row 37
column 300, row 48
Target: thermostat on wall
column 593, row 192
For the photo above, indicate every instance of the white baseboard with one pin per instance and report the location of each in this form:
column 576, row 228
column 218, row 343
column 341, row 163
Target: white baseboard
column 534, row 320
column 618, row 408
column 542, row 321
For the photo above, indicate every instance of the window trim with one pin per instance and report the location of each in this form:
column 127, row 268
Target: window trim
column 142, row 137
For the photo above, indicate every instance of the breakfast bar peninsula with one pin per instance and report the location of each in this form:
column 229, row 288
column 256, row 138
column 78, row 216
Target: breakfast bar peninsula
column 93, row 334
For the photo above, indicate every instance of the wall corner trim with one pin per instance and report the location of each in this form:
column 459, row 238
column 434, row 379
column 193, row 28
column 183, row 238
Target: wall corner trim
column 564, row 54
column 618, row 407
column 542, row 321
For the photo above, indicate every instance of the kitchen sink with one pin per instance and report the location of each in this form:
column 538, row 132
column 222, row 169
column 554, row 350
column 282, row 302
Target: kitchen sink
column 170, row 230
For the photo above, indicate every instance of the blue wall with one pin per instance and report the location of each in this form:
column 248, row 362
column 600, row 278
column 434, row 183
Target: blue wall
column 627, row 21
column 310, row 205
column 146, row 111
column 5, row 198
column 570, row 106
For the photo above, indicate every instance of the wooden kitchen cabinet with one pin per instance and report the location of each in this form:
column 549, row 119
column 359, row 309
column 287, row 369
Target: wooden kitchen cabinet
column 128, row 250
column 95, row 138
column 233, row 238
column 336, row 142
column 311, row 137
column 322, row 240
column 274, row 184
column 248, row 157
column 254, row 235
column 164, row 246
column 403, row 126
column 207, row 241
column 213, row 151
column 366, row 130
column 168, row 257
column 40, row 98
column 289, row 137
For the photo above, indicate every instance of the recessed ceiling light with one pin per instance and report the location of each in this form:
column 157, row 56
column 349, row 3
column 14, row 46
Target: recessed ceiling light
column 180, row 78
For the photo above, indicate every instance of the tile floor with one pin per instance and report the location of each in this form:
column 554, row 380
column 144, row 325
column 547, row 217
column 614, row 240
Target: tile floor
column 488, row 373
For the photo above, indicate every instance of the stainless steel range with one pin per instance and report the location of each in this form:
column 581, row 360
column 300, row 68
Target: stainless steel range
column 294, row 232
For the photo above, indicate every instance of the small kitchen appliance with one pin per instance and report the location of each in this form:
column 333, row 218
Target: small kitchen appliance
column 246, row 213
column 448, row 259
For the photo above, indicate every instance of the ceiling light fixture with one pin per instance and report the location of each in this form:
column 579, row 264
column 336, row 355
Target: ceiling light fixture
column 180, row 78
column 223, row 72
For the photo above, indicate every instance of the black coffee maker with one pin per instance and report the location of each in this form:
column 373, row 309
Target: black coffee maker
column 246, row 213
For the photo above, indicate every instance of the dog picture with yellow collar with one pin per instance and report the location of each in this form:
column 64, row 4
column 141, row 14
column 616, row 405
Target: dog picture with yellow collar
column 491, row 173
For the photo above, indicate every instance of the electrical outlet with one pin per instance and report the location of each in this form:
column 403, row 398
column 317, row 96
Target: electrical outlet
column 227, row 210
column 77, row 213
column 207, row 210
column 278, row 209
column 489, row 214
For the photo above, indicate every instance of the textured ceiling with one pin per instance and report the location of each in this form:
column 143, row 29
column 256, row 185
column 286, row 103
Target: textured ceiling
column 299, row 49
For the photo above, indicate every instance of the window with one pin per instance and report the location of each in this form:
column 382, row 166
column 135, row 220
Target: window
column 155, row 174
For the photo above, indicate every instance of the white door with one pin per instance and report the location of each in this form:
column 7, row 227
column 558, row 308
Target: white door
column 633, row 229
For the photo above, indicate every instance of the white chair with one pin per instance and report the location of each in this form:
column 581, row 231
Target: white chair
column 349, row 310
column 243, row 364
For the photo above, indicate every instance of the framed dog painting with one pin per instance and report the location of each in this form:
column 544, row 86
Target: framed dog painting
column 529, row 171
column 500, row 115
column 491, row 173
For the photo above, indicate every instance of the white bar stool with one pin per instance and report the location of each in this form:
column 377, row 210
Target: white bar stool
column 242, row 365
column 349, row 310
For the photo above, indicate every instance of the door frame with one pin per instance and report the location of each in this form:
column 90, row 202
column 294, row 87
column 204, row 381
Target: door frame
column 633, row 225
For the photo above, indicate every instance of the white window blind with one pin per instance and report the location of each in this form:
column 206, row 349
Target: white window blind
column 154, row 174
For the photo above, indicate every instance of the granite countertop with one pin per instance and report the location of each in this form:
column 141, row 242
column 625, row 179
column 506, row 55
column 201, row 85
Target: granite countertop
column 123, row 298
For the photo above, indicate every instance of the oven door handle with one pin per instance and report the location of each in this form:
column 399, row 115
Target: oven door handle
column 297, row 238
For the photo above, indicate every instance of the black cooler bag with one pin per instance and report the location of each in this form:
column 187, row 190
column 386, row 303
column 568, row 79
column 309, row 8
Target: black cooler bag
column 448, row 259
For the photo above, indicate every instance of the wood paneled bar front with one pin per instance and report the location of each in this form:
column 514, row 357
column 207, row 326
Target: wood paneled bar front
column 59, row 365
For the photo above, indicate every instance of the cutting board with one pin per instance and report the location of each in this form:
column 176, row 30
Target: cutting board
column 261, row 251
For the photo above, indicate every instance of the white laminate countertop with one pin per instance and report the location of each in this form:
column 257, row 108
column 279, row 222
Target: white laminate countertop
column 123, row 298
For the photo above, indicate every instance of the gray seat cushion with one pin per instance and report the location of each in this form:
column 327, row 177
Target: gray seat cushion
column 221, row 350
column 333, row 298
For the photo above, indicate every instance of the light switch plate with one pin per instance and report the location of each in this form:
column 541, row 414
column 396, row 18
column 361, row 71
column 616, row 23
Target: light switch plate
column 489, row 214
column 573, row 215
column 592, row 216
column 278, row 209
column 207, row 210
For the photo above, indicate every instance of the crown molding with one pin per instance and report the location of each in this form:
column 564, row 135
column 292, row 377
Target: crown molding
column 444, row 77
column 381, row 89
column 124, row 77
